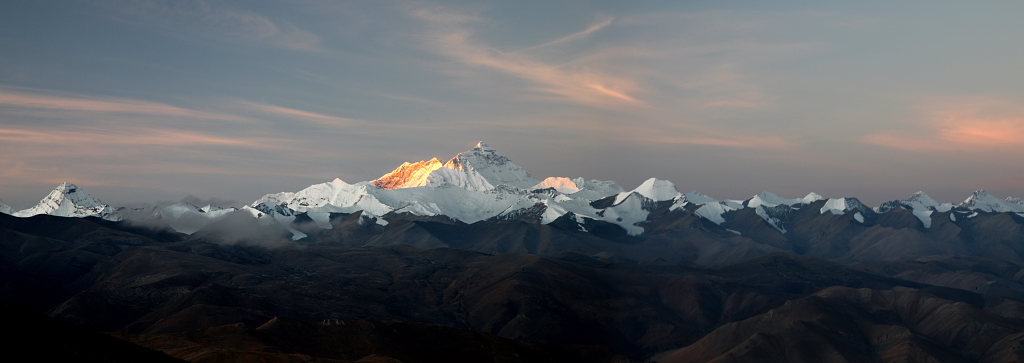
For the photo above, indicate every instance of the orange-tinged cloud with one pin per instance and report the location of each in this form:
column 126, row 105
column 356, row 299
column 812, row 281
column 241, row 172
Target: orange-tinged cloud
column 736, row 141
column 581, row 86
column 124, row 136
column 965, row 124
column 327, row 120
column 38, row 101
column 981, row 132
column 601, row 24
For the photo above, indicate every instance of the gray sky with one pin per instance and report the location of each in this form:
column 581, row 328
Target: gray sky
column 148, row 100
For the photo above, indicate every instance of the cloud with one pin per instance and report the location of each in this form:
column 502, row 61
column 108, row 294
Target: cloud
column 959, row 124
column 11, row 97
column 200, row 18
column 326, row 120
column 451, row 38
column 601, row 24
column 125, row 136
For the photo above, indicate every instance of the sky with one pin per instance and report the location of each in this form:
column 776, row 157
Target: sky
column 144, row 100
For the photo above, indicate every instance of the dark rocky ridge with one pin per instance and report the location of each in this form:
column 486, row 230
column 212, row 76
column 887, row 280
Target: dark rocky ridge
column 168, row 290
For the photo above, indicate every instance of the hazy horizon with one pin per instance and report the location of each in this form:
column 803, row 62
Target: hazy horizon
column 139, row 101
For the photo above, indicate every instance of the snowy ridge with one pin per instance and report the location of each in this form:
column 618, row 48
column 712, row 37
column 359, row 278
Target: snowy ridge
column 5, row 209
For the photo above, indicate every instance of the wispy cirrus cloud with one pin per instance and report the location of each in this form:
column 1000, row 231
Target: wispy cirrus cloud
column 959, row 124
column 293, row 113
column 215, row 20
column 593, row 28
column 36, row 100
column 450, row 36
column 125, row 136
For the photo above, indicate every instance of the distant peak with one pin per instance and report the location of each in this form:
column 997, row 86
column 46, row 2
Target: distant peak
column 923, row 197
column 561, row 184
column 657, row 189
column 67, row 200
column 482, row 146
column 812, row 197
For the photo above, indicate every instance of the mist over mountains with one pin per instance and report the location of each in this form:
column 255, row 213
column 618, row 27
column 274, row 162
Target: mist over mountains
column 475, row 259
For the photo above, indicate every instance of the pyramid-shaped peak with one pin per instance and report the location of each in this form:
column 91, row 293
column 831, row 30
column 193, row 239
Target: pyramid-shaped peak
column 496, row 169
column 657, row 189
column 67, row 200
column 482, row 146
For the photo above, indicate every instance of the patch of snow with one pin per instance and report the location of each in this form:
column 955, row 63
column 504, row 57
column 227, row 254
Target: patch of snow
column 551, row 212
column 714, row 211
column 836, row 206
column 762, row 212
column 627, row 214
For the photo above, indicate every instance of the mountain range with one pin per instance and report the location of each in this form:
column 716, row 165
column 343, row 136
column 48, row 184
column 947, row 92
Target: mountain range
column 474, row 259
column 482, row 188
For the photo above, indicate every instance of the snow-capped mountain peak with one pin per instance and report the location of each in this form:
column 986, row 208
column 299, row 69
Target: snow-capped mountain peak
column 68, row 200
column 561, row 184
column 981, row 200
column 480, row 168
column 657, row 190
column 812, row 197
column 493, row 167
column 5, row 209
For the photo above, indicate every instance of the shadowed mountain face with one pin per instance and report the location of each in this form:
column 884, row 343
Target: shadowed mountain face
column 840, row 324
column 197, row 298
column 682, row 236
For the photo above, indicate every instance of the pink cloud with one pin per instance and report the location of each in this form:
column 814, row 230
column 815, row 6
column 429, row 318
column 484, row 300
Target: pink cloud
column 133, row 136
column 593, row 28
column 323, row 119
column 36, row 101
column 951, row 124
column 451, row 39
